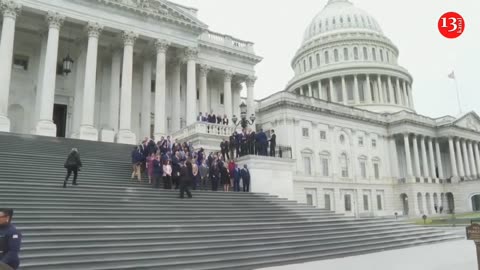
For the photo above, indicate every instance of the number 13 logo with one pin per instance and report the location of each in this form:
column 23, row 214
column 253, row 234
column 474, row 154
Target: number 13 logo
column 451, row 25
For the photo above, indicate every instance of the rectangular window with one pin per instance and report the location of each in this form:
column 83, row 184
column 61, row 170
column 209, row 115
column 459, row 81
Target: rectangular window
column 374, row 143
column 363, row 169
column 379, row 202
column 328, row 205
column 360, row 141
column 348, row 202
column 20, row 62
column 376, row 170
column 309, row 199
column 305, row 132
column 365, row 202
column 323, row 135
column 221, row 99
column 325, row 167
column 374, row 54
column 307, row 165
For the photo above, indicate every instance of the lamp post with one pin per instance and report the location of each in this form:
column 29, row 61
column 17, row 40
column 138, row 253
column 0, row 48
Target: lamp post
column 244, row 122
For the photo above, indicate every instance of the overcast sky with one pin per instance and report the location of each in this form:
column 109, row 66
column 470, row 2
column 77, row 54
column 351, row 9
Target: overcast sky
column 277, row 27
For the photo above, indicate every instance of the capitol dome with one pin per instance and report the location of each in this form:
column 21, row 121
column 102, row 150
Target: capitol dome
column 346, row 58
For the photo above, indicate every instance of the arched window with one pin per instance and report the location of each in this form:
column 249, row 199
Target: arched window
column 363, row 20
column 333, row 21
column 345, row 54
column 344, row 165
column 388, row 56
column 327, row 59
column 374, row 54
column 365, row 53
column 326, row 24
column 304, row 65
column 381, row 55
column 341, row 20
column 349, row 20
column 310, row 62
column 335, row 55
column 320, row 26
column 355, row 53
column 318, row 59
column 356, row 19
column 342, row 139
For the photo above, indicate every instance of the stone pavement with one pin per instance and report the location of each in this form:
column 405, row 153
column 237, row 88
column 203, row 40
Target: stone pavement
column 459, row 255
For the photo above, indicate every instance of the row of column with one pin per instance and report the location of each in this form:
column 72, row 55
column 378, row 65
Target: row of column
column 431, row 160
column 374, row 89
column 120, row 97
column 464, row 158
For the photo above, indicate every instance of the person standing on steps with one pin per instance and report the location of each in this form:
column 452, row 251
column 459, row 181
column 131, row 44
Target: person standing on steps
column 186, row 176
column 245, row 178
column 72, row 164
column 273, row 143
column 167, row 175
column 236, row 178
column 157, row 171
column 10, row 241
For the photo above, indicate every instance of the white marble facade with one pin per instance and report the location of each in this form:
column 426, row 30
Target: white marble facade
column 138, row 65
column 348, row 113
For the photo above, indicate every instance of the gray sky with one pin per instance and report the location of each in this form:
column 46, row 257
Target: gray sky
column 277, row 27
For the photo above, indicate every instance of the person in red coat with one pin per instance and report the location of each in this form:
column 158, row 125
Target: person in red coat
column 231, row 170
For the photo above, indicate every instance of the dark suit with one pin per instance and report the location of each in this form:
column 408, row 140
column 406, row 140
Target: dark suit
column 186, row 178
column 273, row 144
column 236, row 179
column 245, row 174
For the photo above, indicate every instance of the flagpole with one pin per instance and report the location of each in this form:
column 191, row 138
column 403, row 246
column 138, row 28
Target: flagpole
column 458, row 95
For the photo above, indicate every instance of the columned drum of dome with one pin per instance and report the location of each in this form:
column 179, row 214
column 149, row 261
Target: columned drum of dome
column 346, row 58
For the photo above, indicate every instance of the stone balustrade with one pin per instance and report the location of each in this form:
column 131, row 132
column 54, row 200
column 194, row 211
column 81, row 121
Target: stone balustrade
column 227, row 41
column 203, row 128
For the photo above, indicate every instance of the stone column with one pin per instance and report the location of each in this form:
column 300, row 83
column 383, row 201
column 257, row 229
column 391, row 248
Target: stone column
column 320, row 93
column 125, row 134
column 333, row 94
column 408, row 156
column 465, row 159
column 301, row 91
column 250, row 103
column 461, row 169
column 177, row 67
column 356, row 94
column 405, row 96
column 108, row 134
column 453, row 161
column 236, row 88
column 10, row 10
column 161, row 47
column 344, row 91
column 38, row 94
column 410, row 97
column 79, row 84
column 191, row 100
column 439, row 160
column 45, row 125
column 397, row 93
column 87, row 129
column 204, row 70
column 368, row 91
column 477, row 157
column 146, row 107
column 227, row 93
column 380, row 90
column 426, row 173
column 394, row 157
column 390, row 90
column 432, row 159
column 472, row 161
column 310, row 91
column 416, row 157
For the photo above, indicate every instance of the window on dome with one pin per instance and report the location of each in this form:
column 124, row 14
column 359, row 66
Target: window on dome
column 356, row 19
column 349, row 19
column 335, row 55
column 344, row 165
column 388, row 56
column 304, row 65
column 374, row 54
column 369, row 22
column 355, row 53
column 327, row 59
column 363, row 20
column 341, row 20
column 320, row 26
column 326, row 24
column 318, row 59
column 365, row 53
column 333, row 21
column 345, row 54
column 310, row 62
column 381, row 55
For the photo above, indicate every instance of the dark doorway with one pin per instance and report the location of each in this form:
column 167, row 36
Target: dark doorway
column 451, row 203
column 476, row 203
column 404, row 199
column 60, row 119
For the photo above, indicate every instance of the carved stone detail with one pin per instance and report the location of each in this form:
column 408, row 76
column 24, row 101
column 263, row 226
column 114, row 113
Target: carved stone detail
column 251, row 81
column 55, row 20
column 204, row 70
column 10, row 8
column 228, row 75
column 129, row 38
column 191, row 54
column 161, row 46
column 94, row 29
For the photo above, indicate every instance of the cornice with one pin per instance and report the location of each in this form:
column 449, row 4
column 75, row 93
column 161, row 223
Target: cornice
column 214, row 47
column 162, row 11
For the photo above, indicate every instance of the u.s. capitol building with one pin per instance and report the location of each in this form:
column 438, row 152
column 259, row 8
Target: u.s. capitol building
column 116, row 70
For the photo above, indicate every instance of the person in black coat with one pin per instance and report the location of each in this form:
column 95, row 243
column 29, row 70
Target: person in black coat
column 273, row 143
column 245, row 174
column 251, row 143
column 72, row 164
column 225, row 176
column 214, row 175
column 176, row 170
column 10, row 241
column 186, row 179
column 157, row 171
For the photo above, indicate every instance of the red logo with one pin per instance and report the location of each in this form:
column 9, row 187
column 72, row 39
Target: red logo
column 451, row 25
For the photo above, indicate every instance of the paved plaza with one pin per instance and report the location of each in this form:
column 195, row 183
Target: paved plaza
column 445, row 256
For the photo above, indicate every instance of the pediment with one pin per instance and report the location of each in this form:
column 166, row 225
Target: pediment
column 161, row 9
column 469, row 121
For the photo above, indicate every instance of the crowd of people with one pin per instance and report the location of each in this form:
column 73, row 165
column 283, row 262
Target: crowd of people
column 247, row 142
column 213, row 118
column 173, row 165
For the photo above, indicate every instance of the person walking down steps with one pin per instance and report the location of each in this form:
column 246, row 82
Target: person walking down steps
column 72, row 164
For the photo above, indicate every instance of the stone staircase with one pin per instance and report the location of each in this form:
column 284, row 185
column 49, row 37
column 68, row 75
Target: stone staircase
column 112, row 222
